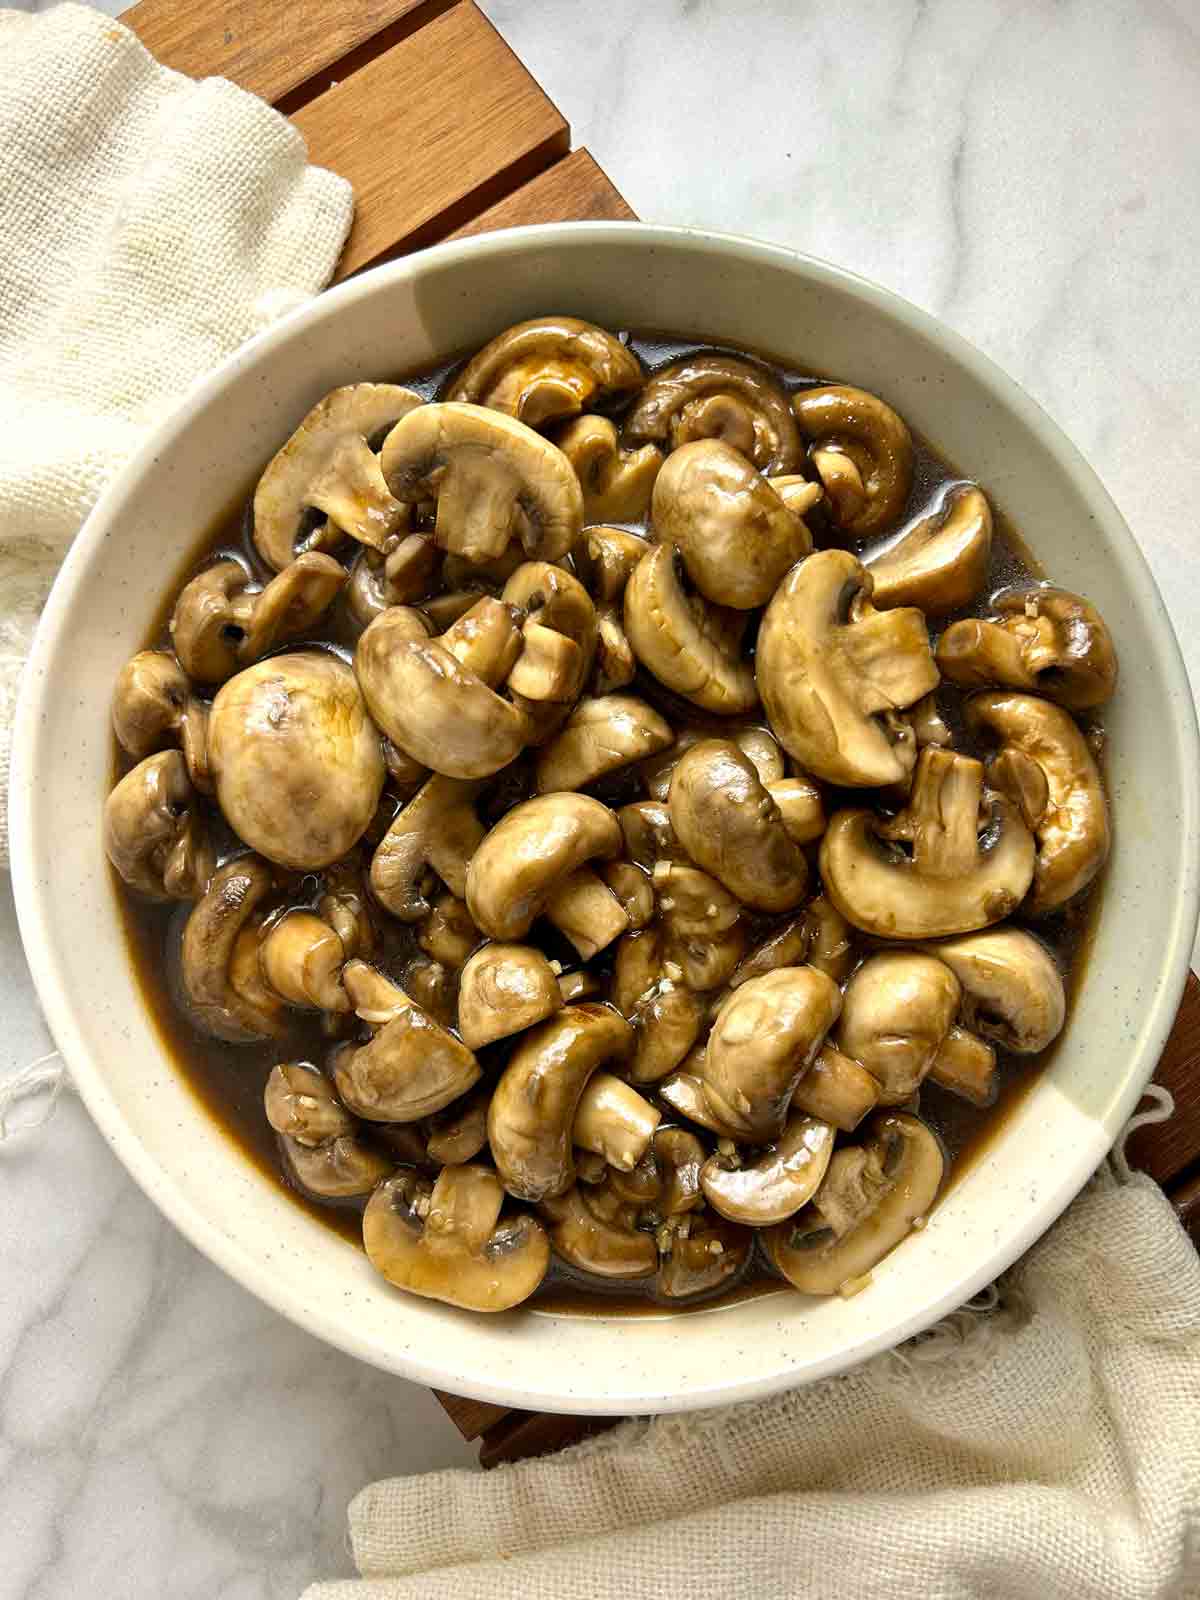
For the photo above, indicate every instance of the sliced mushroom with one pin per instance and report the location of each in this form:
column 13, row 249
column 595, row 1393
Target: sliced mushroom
column 1012, row 989
column 154, row 833
column 302, row 958
column 873, row 1195
column 606, row 558
column 448, row 933
column 613, row 1120
column 647, row 834
column 965, row 1066
column 819, row 937
column 295, row 758
column 533, row 1109
column 153, row 708
column 1045, row 767
column 703, row 1254
column 763, row 1041
column 801, row 807
column 683, row 1092
column 953, row 881
column 492, row 477
column 616, row 483
column 328, row 465
column 755, row 742
column 837, row 1090
column 718, row 397
column 941, row 563
column 674, row 1159
column 459, row 1133
column 447, row 1241
column 607, row 1247
column 504, row 989
column 219, row 959
column 436, row 833
column 729, row 825
column 343, row 905
column 434, row 698
column 411, row 1067
column 633, row 890
column 337, row 1169
column 403, row 577
column 833, row 671
column 558, row 633
column 734, row 533
column 300, row 1101
column 547, row 368
column 220, row 624
column 666, row 1015
column 689, row 645
column 1047, row 640
column 579, row 985
column 773, row 1188
column 842, row 421
column 433, row 986
column 532, row 863
column 600, row 736
column 896, row 1013
column 705, row 937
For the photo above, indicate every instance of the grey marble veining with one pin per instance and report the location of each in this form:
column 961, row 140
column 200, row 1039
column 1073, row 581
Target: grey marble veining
column 1025, row 171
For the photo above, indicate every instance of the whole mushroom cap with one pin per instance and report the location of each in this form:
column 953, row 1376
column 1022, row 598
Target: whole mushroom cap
column 296, row 760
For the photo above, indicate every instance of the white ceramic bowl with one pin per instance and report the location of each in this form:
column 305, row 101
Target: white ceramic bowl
column 405, row 317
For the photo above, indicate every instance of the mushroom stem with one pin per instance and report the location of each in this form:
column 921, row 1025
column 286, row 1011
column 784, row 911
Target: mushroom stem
column 836, row 1089
column 302, row 958
column 888, row 651
column 485, row 640
column 614, row 1121
column 585, row 909
column 375, row 999
column 966, row 1066
column 942, row 816
column 975, row 654
column 352, row 493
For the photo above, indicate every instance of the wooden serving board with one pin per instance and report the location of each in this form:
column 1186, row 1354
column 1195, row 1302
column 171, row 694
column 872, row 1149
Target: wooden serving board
column 443, row 133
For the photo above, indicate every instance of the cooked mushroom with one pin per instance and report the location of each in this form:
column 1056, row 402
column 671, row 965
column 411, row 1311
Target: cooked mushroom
column 784, row 1178
column 300, row 1102
column 403, row 577
column 579, row 985
column 801, row 807
column 1045, row 767
column 600, row 736
column 219, row 960
column 1012, row 989
column 446, row 1241
column 547, row 368
column 836, row 1089
column 953, row 881
column 703, row 1254
column 965, row 1066
column 1048, row 640
column 705, row 935
column 616, row 483
column 872, row 1195
column 718, row 397
column 344, row 906
column 734, row 533
column 840, row 421
column 633, row 890
column 492, row 477
column 459, row 1133
column 606, row 557
column 153, row 708
column 154, row 833
column 928, row 724
column 832, row 671
column 819, row 937
column 295, row 758
column 896, row 1013
column 437, row 833
column 729, row 825
column 448, row 933
column 666, row 1015
column 757, row 743
column 941, row 563
column 302, row 959
column 533, row 1109
column 435, row 698
column 558, row 634
column 683, row 1091
column 328, row 465
column 608, row 1246
column 670, row 1171
column 647, row 834
column 764, row 1039
column 337, row 1169
column 532, row 863
column 613, row 1120
column 433, row 986
column 220, row 624
column 688, row 644
column 411, row 1067
column 504, row 989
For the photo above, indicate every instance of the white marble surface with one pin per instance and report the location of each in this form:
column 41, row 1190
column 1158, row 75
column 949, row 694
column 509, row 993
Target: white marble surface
column 1027, row 172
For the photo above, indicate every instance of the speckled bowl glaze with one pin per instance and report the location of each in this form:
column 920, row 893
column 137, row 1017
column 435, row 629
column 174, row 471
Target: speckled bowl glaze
column 407, row 316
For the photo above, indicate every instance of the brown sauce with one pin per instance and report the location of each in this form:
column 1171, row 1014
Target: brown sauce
column 228, row 1080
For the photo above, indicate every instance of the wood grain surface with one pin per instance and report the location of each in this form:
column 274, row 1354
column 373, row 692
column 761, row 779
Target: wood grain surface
column 572, row 190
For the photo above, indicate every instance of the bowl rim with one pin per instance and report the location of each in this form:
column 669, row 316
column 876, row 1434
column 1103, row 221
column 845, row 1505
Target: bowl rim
column 34, row 915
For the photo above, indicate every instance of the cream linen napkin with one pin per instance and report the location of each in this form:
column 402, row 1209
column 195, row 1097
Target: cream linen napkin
column 1048, row 1448
column 148, row 226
